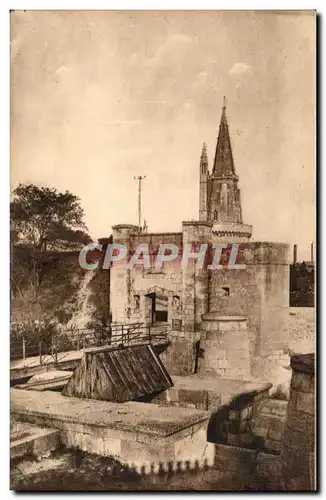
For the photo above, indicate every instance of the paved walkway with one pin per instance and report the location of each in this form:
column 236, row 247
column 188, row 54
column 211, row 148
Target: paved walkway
column 23, row 368
column 46, row 360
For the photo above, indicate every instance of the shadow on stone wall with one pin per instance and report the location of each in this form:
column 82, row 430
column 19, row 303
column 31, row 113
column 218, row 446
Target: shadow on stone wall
column 81, row 471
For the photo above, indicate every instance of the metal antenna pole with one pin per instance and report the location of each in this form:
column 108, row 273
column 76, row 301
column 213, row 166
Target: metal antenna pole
column 139, row 178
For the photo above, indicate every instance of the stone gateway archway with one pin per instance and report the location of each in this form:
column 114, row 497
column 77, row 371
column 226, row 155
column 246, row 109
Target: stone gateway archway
column 158, row 305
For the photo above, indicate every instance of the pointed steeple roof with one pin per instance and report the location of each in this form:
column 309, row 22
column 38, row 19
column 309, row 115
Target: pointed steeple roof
column 223, row 162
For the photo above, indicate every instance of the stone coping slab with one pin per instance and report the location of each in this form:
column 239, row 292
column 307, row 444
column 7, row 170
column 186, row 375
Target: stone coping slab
column 228, row 390
column 131, row 417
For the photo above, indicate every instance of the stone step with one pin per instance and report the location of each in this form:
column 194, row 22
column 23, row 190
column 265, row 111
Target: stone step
column 33, row 440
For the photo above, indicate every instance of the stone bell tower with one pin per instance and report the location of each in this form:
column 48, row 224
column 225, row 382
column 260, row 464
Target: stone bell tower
column 220, row 201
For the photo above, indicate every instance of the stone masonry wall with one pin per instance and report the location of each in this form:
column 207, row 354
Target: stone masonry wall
column 125, row 285
column 275, row 284
column 259, row 292
column 194, row 281
column 180, row 357
column 298, row 443
column 224, row 346
column 256, row 424
column 268, row 423
column 120, row 277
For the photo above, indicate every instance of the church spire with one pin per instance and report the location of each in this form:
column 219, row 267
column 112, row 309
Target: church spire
column 219, row 194
column 203, row 158
column 203, row 175
column 223, row 162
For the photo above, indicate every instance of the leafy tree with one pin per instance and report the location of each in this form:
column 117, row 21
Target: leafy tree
column 43, row 223
column 46, row 219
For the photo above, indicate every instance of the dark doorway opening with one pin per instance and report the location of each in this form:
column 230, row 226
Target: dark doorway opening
column 161, row 316
column 157, row 308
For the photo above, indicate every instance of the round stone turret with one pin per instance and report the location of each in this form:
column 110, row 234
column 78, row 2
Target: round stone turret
column 224, row 345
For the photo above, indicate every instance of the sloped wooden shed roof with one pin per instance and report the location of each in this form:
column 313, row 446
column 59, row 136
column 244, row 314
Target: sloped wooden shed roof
column 120, row 375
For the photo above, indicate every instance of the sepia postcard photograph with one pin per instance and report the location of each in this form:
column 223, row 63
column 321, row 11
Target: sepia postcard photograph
column 163, row 250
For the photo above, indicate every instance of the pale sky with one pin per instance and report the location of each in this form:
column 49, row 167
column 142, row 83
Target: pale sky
column 98, row 97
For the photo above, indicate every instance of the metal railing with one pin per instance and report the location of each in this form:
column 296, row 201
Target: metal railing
column 119, row 335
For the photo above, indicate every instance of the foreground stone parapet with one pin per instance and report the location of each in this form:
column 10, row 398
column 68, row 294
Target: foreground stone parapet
column 298, row 443
column 224, row 345
column 141, row 435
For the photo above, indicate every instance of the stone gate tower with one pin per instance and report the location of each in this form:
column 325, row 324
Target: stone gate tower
column 185, row 298
column 219, row 196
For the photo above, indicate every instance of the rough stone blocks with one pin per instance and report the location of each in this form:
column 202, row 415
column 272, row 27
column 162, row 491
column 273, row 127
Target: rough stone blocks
column 298, row 441
column 305, row 402
column 234, row 458
column 302, row 382
column 36, row 443
column 225, row 346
